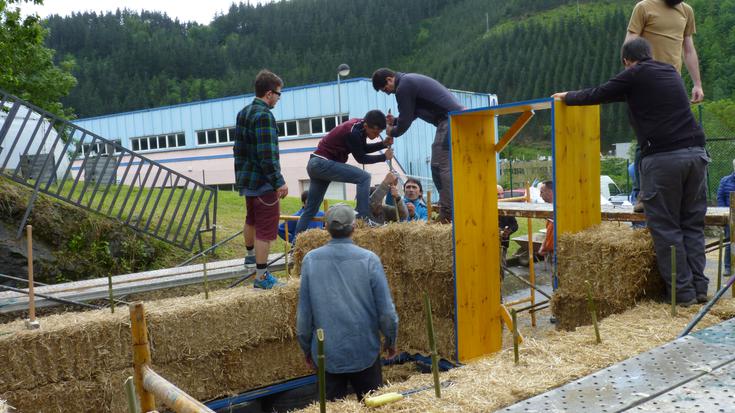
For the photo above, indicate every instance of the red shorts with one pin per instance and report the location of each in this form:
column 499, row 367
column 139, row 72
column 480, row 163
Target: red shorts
column 263, row 213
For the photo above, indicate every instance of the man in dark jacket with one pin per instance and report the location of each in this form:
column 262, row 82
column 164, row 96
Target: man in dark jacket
column 673, row 164
column 329, row 163
column 420, row 96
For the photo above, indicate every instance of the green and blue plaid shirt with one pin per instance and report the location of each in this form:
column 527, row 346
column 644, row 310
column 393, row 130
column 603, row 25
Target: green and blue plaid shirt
column 256, row 148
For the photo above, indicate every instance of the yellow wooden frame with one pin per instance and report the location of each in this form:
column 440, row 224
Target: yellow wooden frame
column 575, row 139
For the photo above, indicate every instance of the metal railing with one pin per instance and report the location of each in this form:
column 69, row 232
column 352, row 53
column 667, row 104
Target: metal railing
column 57, row 158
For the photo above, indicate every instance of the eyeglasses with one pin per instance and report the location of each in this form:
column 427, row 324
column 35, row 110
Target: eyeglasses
column 277, row 93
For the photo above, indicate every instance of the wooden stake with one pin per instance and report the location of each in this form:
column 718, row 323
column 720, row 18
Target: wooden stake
column 428, row 207
column 132, row 398
column 673, row 280
column 432, row 346
column 112, row 295
column 719, row 265
column 321, row 373
column 206, row 278
column 31, row 297
column 287, row 247
column 593, row 312
column 513, row 317
column 141, row 355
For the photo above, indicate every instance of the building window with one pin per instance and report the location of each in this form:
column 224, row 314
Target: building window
column 310, row 126
column 163, row 141
column 99, row 148
column 215, row 136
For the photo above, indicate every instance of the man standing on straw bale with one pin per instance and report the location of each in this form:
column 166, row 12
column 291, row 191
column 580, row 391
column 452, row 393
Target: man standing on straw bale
column 420, row 96
column 329, row 162
column 258, row 173
column 673, row 165
column 344, row 292
column 669, row 26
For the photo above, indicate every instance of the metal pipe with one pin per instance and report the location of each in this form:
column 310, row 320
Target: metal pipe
column 527, row 283
column 173, row 397
column 707, row 307
column 192, row 258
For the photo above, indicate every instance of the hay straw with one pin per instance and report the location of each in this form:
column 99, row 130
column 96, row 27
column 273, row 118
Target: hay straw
column 619, row 263
column 494, row 382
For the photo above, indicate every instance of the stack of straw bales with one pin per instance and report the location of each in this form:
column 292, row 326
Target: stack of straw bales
column 618, row 262
column 77, row 362
column 417, row 258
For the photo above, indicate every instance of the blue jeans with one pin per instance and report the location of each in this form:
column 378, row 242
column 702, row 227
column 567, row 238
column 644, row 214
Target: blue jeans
column 321, row 173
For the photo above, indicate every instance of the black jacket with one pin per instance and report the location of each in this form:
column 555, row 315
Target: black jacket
column 420, row 96
column 658, row 105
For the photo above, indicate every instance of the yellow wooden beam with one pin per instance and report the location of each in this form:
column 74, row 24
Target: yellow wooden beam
column 511, row 133
column 576, row 167
column 476, row 233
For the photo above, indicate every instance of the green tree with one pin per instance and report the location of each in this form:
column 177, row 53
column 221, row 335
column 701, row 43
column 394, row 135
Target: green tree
column 27, row 68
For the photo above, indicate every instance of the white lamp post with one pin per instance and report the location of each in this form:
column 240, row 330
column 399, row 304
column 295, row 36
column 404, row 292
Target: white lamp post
column 342, row 70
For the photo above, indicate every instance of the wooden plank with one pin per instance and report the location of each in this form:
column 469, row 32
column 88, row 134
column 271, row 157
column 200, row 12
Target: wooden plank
column 511, row 133
column 716, row 216
column 576, row 146
column 476, row 236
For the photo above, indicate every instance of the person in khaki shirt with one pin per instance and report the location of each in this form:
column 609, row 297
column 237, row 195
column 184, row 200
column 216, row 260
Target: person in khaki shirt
column 668, row 25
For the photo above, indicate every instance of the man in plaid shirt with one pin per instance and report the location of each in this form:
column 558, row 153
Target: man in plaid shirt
column 258, row 174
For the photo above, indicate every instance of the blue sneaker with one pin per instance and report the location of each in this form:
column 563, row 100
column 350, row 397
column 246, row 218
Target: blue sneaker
column 250, row 260
column 268, row 282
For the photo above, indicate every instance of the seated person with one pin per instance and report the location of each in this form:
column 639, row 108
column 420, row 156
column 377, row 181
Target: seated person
column 292, row 224
column 508, row 225
column 414, row 199
column 381, row 213
column 547, row 194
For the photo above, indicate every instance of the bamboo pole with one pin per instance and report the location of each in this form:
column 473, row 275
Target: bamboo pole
column 286, row 247
column 531, row 265
column 112, row 294
column 206, row 278
column 321, row 372
column 513, row 317
column 673, row 280
column 593, row 312
column 719, row 265
column 428, row 207
column 31, row 298
column 432, row 346
column 132, row 398
column 141, row 355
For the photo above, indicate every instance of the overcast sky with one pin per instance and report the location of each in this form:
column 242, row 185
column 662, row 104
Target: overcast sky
column 201, row 11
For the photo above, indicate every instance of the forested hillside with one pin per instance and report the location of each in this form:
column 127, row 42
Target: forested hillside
column 126, row 60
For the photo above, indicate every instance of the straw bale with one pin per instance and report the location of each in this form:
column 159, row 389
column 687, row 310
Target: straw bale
column 86, row 347
column 558, row 357
column 617, row 261
column 417, row 258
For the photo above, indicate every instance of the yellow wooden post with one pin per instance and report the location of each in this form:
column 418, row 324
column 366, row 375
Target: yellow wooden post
column 141, row 355
column 531, row 264
column 476, row 233
column 326, row 206
column 576, row 167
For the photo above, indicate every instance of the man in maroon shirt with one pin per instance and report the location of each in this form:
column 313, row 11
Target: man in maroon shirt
column 329, row 162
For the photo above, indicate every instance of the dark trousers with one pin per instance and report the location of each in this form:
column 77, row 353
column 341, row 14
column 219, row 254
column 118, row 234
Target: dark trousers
column 673, row 191
column 441, row 172
column 362, row 382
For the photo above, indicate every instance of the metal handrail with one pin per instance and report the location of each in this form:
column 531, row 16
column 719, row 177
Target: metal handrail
column 58, row 158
